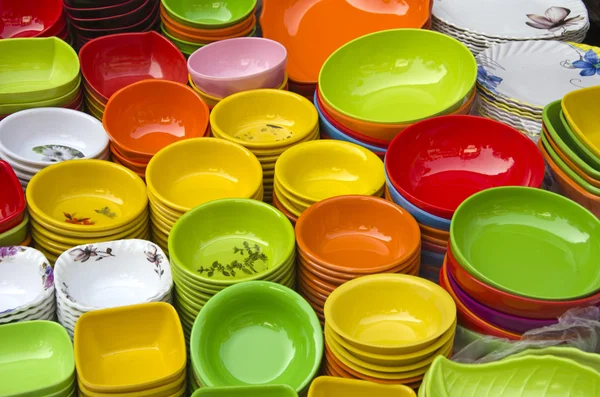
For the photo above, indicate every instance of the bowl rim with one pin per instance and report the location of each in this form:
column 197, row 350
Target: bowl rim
column 54, row 19
column 192, row 23
column 129, row 13
column 579, row 133
column 153, row 16
column 12, row 182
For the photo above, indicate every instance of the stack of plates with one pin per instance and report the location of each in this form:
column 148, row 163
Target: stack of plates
column 85, row 202
column 247, row 118
column 226, row 242
column 194, row 171
column 387, row 328
column 31, row 140
column 38, row 72
column 193, row 24
column 513, row 86
column 336, row 241
column 131, row 271
column 480, row 25
column 113, row 62
column 13, row 217
column 313, row 171
column 21, row 20
column 27, row 288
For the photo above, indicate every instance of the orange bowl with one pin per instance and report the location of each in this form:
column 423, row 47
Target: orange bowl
column 137, row 167
column 431, row 232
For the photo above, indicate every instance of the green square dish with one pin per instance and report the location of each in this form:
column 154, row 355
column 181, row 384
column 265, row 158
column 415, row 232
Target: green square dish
column 247, row 391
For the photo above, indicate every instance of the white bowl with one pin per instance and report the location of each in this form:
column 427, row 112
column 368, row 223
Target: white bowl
column 43, row 136
column 112, row 273
column 27, row 279
column 34, row 313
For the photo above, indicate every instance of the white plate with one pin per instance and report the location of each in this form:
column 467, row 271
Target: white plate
column 514, row 19
column 534, row 72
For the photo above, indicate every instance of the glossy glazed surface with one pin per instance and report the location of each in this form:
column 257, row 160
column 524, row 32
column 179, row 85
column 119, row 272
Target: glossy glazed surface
column 19, row 19
column 207, row 13
column 12, row 200
column 580, row 112
column 328, row 386
column 116, row 21
column 103, row 11
column 247, row 391
column 312, row 30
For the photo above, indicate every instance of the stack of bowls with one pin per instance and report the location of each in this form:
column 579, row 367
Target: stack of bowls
column 193, row 24
column 13, row 217
column 434, row 165
column 186, row 174
column 124, row 278
column 146, row 116
column 387, row 328
column 91, row 19
column 135, row 350
column 253, row 320
column 331, row 386
column 84, row 202
column 29, row 143
column 497, row 290
column 226, row 242
column 113, row 62
column 313, row 171
column 246, row 391
column 37, row 360
column 345, row 237
column 267, row 122
column 27, row 288
column 571, row 148
column 388, row 100
column 235, row 65
column 38, row 72
column 21, row 20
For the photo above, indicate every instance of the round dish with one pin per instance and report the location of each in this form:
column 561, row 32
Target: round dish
column 206, row 14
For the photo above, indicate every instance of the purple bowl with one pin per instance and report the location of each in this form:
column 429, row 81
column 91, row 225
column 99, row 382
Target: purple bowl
column 501, row 320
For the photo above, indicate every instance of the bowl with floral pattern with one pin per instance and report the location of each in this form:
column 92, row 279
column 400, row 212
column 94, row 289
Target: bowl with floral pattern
column 112, row 274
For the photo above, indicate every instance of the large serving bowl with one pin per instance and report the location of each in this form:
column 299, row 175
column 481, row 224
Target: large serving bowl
column 579, row 112
column 20, row 20
column 12, row 201
column 251, row 320
column 205, row 14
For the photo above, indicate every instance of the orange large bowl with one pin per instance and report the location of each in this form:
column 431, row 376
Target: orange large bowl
column 144, row 117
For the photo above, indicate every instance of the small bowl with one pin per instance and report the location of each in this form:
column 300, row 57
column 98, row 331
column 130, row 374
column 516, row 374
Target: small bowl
column 116, row 21
column 12, row 200
column 362, row 311
column 205, row 14
column 66, row 101
column 262, row 319
column 146, row 116
column 120, row 8
column 226, row 67
column 579, row 112
column 328, row 386
column 17, row 234
column 20, row 20
column 247, row 391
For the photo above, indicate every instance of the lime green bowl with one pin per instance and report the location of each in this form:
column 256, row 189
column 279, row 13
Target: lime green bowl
column 247, row 391
column 185, row 46
column 256, row 332
column 398, row 76
column 17, row 234
column 52, row 102
column 528, row 242
column 226, row 241
column 209, row 14
column 36, row 69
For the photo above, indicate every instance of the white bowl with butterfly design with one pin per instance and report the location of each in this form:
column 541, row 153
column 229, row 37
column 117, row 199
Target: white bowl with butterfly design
column 111, row 274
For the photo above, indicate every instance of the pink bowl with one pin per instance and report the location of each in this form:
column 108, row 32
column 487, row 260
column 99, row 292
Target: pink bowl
column 241, row 64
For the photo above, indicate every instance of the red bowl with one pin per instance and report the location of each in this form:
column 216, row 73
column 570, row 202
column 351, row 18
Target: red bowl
column 110, row 63
column 12, row 199
column 132, row 17
column 20, row 18
column 102, row 12
column 437, row 163
column 508, row 303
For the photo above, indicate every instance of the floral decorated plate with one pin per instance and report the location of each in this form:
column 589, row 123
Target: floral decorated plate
column 113, row 273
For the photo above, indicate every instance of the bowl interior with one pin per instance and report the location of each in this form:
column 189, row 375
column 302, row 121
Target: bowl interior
column 26, row 276
column 247, row 391
column 28, row 21
column 12, row 200
column 208, row 12
column 580, row 113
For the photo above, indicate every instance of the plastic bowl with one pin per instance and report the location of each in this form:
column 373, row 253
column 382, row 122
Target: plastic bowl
column 328, row 386
column 218, row 33
column 251, row 320
column 146, row 116
column 247, row 391
column 206, row 14
column 115, row 21
column 112, row 62
column 12, row 200
column 562, row 246
column 362, row 81
column 17, row 234
column 366, row 313
column 450, row 154
column 21, row 20
column 246, row 63
column 579, row 112
column 122, row 7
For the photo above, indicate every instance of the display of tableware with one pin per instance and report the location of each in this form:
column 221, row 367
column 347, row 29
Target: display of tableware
column 21, row 21
column 329, row 386
column 131, row 349
column 36, row 359
column 12, row 200
column 252, row 319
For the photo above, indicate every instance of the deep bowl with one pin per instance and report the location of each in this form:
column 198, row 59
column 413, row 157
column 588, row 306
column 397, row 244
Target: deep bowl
column 206, row 14
column 103, row 11
column 217, row 33
column 580, row 113
column 450, row 154
column 115, row 21
column 21, row 20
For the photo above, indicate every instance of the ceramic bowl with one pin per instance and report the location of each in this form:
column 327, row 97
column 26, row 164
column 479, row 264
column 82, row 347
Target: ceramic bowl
column 87, row 196
column 254, row 319
column 387, row 93
column 12, row 201
column 342, row 168
column 579, row 113
column 362, row 311
column 24, row 21
column 204, row 14
column 450, row 154
column 128, row 18
column 226, row 67
column 122, row 7
column 550, row 246
column 328, row 386
column 247, row 118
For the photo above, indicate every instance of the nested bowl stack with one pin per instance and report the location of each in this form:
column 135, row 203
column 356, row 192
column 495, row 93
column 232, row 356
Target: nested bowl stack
column 47, row 19
column 336, row 386
column 14, row 220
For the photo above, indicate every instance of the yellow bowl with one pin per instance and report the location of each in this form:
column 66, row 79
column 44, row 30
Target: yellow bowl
column 264, row 119
column 193, row 171
column 314, row 171
column 161, row 208
column 86, row 196
column 581, row 111
column 295, row 201
column 287, row 204
column 390, row 313
column 329, row 386
column 165, row 222
column 168, row 390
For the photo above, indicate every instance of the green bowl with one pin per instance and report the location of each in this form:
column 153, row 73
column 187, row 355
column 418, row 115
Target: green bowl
column 16, row 235
column 257, row 332
column 37, row 359
column 36, row 69
column 247, row 391
column 591, row 360
column 185, row 46
column 528, row 242
column 226, row 241
column 576, row 151
column 53, row 102
column 398, row 76
column 208, row 14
